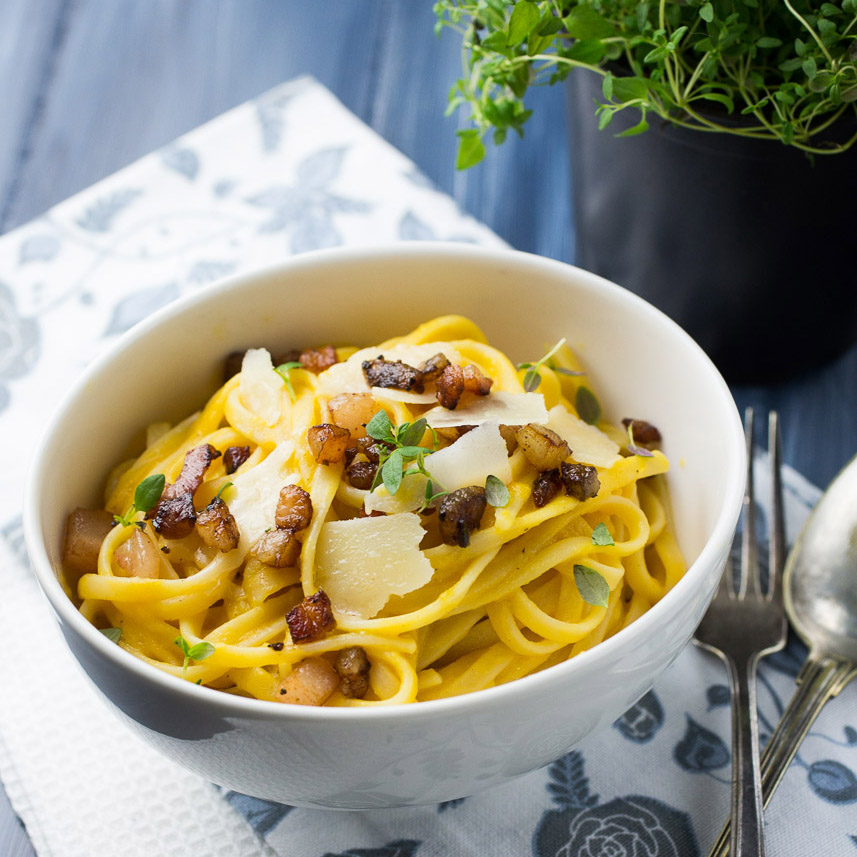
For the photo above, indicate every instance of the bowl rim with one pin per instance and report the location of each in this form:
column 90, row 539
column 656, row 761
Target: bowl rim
column 474, row 702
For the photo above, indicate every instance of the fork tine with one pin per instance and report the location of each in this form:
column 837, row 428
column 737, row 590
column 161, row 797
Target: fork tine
column 749, row 571
column 776, row 526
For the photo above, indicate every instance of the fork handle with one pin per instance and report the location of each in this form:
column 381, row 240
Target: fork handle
column 747, row 833
column 820, row 679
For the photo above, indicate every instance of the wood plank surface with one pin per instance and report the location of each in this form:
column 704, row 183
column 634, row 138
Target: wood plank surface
column 91, row 85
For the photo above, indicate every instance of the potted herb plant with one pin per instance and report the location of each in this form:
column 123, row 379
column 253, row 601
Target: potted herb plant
column 714, row 169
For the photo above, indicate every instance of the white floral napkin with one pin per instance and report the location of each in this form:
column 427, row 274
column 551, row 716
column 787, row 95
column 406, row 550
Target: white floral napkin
column 292, row 171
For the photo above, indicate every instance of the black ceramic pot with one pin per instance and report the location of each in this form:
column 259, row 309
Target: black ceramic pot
column 749, row 245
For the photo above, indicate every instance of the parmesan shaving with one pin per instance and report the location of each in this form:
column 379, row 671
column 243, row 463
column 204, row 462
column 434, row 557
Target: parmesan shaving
column 469, row 461
column 589, row 445
column 362, row 562
column 254, row 495
column 508, row 409
column 260, row 385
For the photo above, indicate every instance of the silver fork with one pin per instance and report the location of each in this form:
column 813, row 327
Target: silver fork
column 742, row 625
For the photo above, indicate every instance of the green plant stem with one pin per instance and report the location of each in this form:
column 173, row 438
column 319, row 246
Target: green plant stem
column 812, row 32
column 695, row 75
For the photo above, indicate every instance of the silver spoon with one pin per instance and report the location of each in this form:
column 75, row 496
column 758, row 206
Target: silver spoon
column 820, row 583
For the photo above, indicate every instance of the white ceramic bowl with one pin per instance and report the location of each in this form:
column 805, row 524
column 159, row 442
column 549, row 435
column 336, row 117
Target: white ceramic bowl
column 641, row 364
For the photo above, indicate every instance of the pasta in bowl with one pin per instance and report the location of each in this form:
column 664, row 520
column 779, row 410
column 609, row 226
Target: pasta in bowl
column 509, row 625
column 404, row 522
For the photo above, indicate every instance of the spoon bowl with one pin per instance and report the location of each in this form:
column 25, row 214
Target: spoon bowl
column 821, row 572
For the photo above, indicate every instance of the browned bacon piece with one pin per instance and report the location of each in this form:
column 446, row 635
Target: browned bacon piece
column 460, row 512
column 432, row 369
column 645, row 434
column 475, row 381
column 510, row 435
column 310, row 619
column 294, row 509
column 196, row 462
column 277, row 548
column 217, row 526
column 580, row 480
column 361, row 473
column 84, row 532
column 234, row 457
column 542, row 446
column 353, row 668
column 352, row 411
column 174, row 518
column 328, row 442
column 392, row 374
column 546, row 486
column 450, row 386
column 318, row 359
column 138, row 556
column 311, row 682
column 174, row 515
column 371, row 448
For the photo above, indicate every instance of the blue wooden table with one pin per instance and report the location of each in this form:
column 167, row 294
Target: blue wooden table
column 91, row 85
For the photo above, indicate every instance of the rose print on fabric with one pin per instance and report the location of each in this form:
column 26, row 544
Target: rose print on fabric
column 632, row 826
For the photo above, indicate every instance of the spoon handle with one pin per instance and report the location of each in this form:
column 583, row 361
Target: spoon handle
column 820, row 679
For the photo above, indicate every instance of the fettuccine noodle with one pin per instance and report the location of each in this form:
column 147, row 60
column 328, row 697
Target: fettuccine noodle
column 512, row 597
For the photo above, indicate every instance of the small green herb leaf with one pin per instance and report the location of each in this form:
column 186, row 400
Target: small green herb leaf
column 223, row 487
column 391, row 471
column 601, row 535
column 587, row 405
column 431, row 495
column 496, row 491
column 200, row 651
column 532, row 378
column 410, row 434
column 146, row 496
column 641, row 127
column 523, row 20
column 591, row 585
column 149, row 492
column 380, row 427
column 471, row 150
column 583, row 22
column 112, row 634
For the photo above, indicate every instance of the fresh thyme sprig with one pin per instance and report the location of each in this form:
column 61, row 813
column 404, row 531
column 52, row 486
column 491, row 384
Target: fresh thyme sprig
column 402, row 449
column 146, row 496
column 284, row 370
column 762, row 69
column 198, row 652
column 532, row 378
